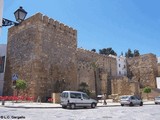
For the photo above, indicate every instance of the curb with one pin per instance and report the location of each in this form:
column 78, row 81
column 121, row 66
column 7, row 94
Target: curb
column 30, row 107
column 52, row 107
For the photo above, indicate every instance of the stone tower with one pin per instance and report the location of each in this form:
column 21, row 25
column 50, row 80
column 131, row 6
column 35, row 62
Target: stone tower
column 42, row 52
column 143, row 69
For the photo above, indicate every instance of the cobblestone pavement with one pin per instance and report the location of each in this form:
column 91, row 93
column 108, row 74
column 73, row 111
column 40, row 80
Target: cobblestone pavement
column 146, row 112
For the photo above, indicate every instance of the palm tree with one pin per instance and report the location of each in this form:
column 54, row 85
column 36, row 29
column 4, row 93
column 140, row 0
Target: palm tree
column 95, row 66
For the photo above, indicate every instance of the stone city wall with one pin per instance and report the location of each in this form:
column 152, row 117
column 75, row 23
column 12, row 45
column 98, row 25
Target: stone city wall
column 42, row 52
column 123, row 86
column 143, row 69
column 93, row 67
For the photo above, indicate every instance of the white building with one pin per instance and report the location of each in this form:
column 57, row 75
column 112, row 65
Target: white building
column 158, row 82
column 158, row 78
column 1, row 11
column 158, row 58
column 121, row 66
column 2, row 65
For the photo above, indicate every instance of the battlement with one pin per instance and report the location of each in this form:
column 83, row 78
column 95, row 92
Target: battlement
column 91, row 53
column 45, row 20
column 54, row 23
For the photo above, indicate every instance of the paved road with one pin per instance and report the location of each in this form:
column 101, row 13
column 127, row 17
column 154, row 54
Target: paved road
column 146, row 112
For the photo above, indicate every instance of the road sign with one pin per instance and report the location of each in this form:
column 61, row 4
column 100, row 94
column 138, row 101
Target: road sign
column 14, row 77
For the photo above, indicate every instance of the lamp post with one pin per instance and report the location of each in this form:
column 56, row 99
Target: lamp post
column 14, row 80
column 20, row 15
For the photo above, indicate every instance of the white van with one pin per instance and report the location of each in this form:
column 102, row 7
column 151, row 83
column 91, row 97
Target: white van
column 74, row 99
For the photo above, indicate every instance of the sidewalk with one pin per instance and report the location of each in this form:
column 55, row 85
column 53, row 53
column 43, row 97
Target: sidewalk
column 9, row 104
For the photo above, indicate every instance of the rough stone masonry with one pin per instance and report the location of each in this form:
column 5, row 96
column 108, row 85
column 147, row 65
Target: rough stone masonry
column 44, row 53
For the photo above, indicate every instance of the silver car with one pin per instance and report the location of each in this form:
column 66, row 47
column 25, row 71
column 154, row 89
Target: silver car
column 157, row 100
column 130, row 100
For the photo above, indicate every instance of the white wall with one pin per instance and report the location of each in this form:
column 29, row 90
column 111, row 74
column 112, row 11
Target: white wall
column 158, row 82
column 158, row 58
column 3, row 49
column 1, row 11
column 121, row 66
column 2, row 53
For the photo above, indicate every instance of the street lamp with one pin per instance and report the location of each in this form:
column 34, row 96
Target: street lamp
column 20, row 15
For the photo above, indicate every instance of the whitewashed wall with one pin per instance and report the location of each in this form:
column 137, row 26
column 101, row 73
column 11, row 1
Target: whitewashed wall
column 2, row 53
column 1, row 11
column 158, row 82
column 121, row 66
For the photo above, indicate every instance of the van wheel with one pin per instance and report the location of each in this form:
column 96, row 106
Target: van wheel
column 72, row 106
column 93, row 105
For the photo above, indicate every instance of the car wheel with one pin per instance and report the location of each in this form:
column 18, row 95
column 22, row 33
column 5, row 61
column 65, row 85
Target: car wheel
column 72, row 106
column 131, row 104
column 141, row 104
column 156, row 103
column 93, row 105
column 122, row 104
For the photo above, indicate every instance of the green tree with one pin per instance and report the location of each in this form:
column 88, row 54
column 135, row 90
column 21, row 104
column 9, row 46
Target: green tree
column 147, row 90
column 129, row 53
column 83, row 87
column 20, row 85
column 136, row 53
column 93, row 50
column 107, row 51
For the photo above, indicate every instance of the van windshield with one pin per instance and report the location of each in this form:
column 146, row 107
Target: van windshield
column 64, row 95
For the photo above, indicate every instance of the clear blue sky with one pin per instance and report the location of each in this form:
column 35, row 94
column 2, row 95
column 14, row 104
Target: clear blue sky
column 120, row 24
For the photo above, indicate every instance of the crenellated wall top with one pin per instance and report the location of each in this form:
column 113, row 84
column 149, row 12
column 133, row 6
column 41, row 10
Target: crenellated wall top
column 84, row 51
column 38, row 17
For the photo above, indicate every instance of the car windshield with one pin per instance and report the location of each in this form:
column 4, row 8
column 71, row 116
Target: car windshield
column 158, row 97
column 124, row 97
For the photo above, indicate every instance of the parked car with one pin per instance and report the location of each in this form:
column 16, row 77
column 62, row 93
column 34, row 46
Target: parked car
column 130, row 100
column 157, row 100
column 73, row 99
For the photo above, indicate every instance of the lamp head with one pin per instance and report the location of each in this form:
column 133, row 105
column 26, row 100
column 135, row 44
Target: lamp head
column 20, row 14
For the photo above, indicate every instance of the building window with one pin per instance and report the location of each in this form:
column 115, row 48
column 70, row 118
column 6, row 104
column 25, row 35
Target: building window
column 119, row 65
column 2, row 60
column 124, row 66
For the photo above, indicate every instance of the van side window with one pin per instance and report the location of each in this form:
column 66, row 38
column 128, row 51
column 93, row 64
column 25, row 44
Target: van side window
column 76, row 95
column 85, row 96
